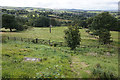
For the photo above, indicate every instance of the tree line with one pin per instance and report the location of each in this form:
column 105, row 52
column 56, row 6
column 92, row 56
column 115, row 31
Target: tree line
column 19, row 23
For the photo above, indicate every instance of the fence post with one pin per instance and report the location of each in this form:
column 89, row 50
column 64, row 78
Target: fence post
column 61, row 43
column 8, row 38
column 36, row 40
column 15, row 38
column 21, row 39
column 28, row 40
column 49, row 42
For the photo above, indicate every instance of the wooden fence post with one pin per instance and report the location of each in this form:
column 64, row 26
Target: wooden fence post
column 49, row 42
column 28, row 40
column 60, row 43
column 15, row 38
column 8, row 38
column 21, row 39
column 36, row 40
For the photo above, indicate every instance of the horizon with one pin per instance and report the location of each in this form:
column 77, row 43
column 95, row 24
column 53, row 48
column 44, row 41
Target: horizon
column 62, row 8
column 64, row 4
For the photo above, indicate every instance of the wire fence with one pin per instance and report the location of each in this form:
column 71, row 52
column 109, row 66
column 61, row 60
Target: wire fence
column 47, row 42
column 34, row 40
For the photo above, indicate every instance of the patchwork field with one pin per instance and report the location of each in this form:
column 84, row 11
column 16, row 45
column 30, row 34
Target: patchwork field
column 89, row 59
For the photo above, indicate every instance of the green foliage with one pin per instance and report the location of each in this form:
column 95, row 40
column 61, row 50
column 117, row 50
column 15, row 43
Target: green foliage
column 21, row 20
column 80, row 23
column 99, row 72
column 42, row 22
column 89, row 22
column 102, row 24
column 72, row 37
column 8, row 21
column 104, row 36
column 12, row 22
column 53, row 22
column 103, row 21
column 22, row 27
column 21, row 24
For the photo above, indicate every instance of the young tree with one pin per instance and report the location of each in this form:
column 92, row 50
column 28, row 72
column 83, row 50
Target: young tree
column 72, row 37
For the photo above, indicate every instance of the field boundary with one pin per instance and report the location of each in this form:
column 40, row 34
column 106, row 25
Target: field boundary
column 34, row 40
column 43, row 41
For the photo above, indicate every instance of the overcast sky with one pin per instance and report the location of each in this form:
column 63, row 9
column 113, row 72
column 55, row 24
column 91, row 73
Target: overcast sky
column 67, row 4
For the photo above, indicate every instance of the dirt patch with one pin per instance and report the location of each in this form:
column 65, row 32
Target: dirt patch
column 77, row 66
column 88, row 71
column 2, row 32
column 84, row 64
column 92, row 54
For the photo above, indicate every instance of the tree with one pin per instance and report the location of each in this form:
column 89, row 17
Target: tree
column 104, row 21
column 21, row 20
column 42, row 22
column 53, row 22
column 12, row 22
column 102, row 24
column 89, row 22
column 104, row 36
column 72, row 37
column 8, row 21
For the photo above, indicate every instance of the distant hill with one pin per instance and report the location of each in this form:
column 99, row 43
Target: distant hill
column 48, row 9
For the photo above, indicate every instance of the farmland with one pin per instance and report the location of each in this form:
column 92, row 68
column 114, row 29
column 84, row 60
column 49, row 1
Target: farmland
column 30, row 50
column 59, row 61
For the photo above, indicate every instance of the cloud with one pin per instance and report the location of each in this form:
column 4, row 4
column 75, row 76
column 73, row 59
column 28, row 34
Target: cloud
column 76, row 4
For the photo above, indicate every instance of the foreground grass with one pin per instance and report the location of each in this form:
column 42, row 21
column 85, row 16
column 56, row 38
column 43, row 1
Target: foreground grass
column 57, row 62
column 54, row 63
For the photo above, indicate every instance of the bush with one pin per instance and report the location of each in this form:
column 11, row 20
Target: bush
column 72, row 37
column 98, row 72
column 4, row 40
column 21, row 27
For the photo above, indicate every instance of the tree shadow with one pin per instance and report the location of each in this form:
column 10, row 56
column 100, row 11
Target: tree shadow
column 7, row 31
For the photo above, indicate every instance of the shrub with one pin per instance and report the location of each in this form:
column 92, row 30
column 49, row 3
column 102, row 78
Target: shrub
column 99, row 72
column 22, row 27
column 3, row 40
column 72, row 37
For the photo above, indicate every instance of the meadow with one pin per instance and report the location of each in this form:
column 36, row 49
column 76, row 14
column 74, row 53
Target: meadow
column 87, row 61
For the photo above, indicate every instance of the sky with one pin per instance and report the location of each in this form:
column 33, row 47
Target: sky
column 64, row 4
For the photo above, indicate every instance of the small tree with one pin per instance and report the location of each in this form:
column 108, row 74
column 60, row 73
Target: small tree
column 72, row 37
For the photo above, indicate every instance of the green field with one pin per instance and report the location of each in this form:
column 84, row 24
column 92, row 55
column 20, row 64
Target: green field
column 58, row 62
column 56, row 35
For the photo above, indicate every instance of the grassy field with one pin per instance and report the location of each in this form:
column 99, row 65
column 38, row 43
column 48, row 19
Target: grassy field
column 89, row 59
column 56, row 35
